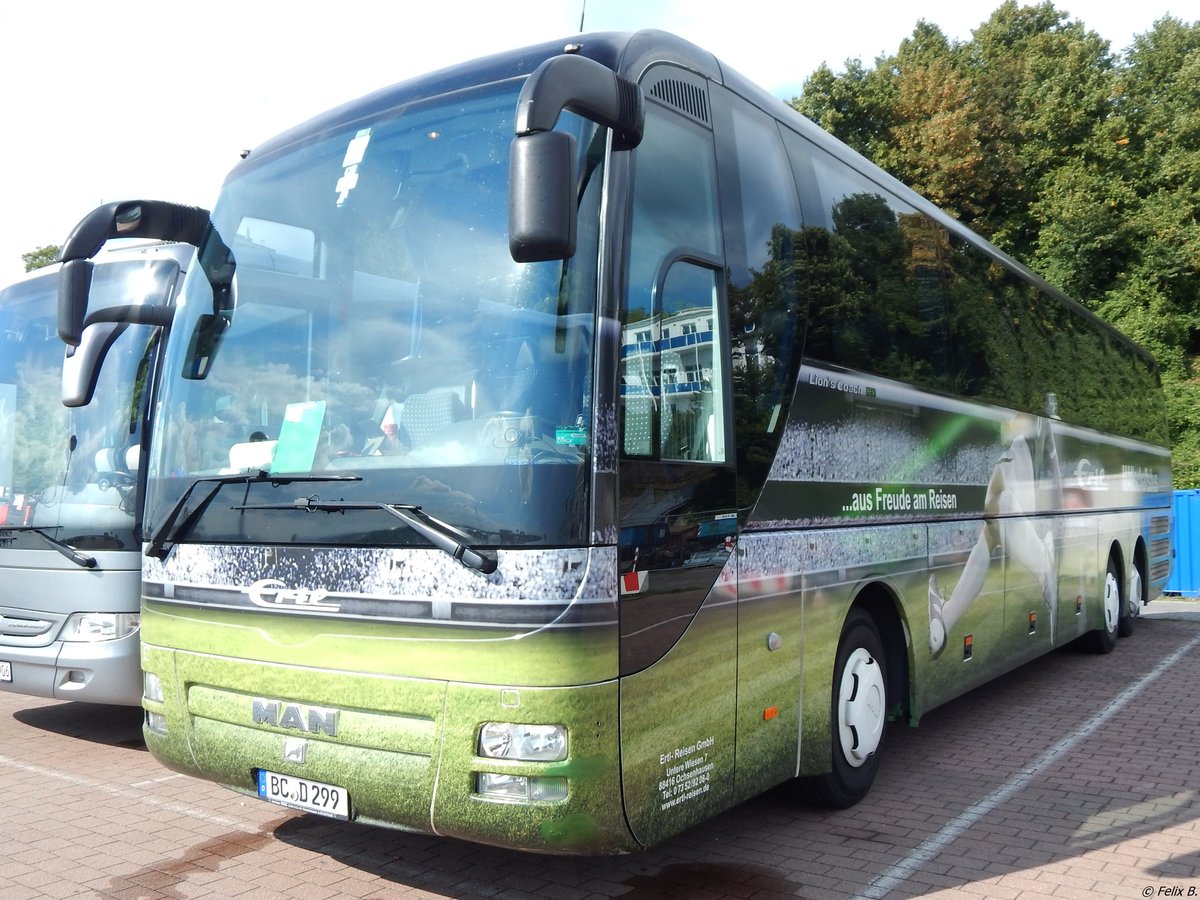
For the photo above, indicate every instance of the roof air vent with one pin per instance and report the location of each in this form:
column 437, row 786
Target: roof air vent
column 684, row 96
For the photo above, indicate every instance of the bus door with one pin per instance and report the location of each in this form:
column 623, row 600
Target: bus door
column 676, row 479
column 767, row 282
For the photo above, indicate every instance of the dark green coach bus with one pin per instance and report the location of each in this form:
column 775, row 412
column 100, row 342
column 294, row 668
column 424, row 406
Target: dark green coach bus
column 558, row 449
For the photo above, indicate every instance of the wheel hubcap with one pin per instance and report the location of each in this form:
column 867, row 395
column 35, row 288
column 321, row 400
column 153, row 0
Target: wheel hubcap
column 1112, row 601
column 861, row 707
column 1135, row 592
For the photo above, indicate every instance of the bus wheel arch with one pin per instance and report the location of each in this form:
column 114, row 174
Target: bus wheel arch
column 881, row 603
column 869, row 687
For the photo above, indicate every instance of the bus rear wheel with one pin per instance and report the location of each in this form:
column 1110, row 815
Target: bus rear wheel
column 1132, row 607
column 858, row 715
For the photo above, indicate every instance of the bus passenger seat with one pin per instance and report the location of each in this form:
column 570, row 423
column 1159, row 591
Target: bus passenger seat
column 423, row 415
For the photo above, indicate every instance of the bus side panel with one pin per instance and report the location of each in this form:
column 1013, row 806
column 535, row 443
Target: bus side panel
column 972, row 617
column 770, row 658
column 1114, row 491
column 1033, row 552
column 677, row 725
column 1080, row 576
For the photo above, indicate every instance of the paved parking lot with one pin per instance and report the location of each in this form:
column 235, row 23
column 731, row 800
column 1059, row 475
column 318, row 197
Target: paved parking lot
column 1075, row 776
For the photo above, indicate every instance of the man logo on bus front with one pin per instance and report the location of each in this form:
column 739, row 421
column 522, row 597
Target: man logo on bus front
column 271, row 593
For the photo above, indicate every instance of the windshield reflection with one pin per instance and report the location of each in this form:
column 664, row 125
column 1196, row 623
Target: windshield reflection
column 381, row 327
column 73, row 473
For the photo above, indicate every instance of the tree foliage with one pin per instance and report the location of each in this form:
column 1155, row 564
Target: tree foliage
column 1083, row 162
column 42, row 256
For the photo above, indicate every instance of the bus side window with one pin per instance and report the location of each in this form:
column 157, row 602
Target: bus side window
column 671, row 341
column 877, row 271
column 691, row 385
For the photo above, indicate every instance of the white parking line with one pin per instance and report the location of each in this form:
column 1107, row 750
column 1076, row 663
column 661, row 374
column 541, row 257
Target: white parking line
column 128, row 794
column 901, row 871
column 163, row 780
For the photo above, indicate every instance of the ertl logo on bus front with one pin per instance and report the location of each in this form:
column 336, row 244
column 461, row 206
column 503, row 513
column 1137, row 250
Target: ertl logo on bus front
column 270, row 593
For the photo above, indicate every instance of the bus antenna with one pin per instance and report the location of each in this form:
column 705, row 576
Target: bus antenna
column 582, row 14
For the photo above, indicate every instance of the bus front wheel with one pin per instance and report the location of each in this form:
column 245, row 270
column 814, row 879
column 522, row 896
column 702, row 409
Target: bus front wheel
column 858, row 715
column 1104, row 638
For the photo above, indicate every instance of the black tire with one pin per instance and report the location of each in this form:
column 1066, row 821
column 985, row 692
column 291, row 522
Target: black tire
column 1104, row 638
column 858, row 714
column 1132, row 606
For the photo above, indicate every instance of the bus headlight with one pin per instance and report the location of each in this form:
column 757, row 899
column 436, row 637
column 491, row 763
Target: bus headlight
column 520, row 789
column 94, row 627
column 152, row 687
column 529, row 743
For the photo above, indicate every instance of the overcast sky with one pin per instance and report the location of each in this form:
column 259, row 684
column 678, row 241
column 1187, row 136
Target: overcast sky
column 146, row 99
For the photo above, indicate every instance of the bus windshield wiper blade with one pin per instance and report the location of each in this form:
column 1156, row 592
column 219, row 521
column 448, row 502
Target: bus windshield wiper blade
column 83, row 560
column 168, row 532
column 443, row 536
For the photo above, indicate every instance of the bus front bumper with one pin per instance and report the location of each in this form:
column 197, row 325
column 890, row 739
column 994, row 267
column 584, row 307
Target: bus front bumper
column 405, row 751
column 101, row 672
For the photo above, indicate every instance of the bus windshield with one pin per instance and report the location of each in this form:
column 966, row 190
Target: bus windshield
column 378, row 327
column 71, row 474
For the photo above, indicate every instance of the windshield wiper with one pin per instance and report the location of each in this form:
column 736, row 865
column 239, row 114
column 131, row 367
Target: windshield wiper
column 83, row 560
column 443, row 536
column 168, row 533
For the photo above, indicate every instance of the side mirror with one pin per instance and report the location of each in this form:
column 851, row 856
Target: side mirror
column 82, row 363
column 152, row 219
column 202, row 347
column 74, row 287
column 541, row 200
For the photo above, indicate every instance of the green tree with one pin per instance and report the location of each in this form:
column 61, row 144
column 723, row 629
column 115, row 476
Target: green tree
column 1083, row 163
column 1041, row 84
column 1155, row 297
column 42, row 256
column 936, row 137
column 856, row 106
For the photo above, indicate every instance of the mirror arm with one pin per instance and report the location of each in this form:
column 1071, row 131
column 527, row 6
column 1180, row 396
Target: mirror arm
column 588, row 88
column 134, row 314
column 150, row 219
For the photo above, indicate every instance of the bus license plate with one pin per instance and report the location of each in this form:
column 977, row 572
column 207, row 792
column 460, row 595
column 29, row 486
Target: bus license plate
column 5, row 671
column 304, row 794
